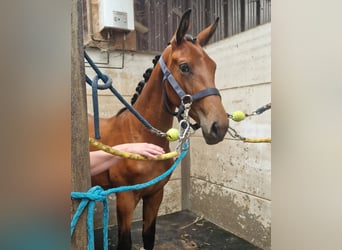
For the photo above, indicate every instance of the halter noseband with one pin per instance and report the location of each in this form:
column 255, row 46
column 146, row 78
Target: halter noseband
column 181, row 93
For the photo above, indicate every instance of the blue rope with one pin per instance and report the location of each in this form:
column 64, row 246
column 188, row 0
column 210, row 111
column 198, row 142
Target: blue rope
column 103, row 77
column 108, row 85
column 96, row 109
column 130, row 108
column 95, row 86
column 96, row 193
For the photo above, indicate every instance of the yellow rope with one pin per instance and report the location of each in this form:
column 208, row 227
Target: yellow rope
column 256, row 140
column 127, row 155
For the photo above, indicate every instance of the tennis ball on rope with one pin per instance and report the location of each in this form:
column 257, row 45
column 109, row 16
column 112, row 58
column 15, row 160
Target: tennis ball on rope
column 238, row 116
column 172, row 134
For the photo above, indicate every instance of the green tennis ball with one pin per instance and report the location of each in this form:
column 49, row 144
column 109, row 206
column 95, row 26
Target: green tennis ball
column 172, row 134
column 238, row 116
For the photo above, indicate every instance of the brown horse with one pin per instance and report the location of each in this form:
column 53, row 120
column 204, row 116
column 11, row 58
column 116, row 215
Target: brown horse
column 189, row 66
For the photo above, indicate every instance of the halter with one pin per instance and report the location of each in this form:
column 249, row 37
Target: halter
column 185, row 98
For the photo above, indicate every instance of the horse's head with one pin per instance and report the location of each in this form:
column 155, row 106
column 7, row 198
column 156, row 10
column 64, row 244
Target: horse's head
column 189, row 74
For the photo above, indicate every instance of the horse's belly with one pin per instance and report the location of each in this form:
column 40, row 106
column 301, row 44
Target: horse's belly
column 132, row 172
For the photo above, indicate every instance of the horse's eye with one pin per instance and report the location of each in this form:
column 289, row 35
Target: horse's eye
column 184, row 67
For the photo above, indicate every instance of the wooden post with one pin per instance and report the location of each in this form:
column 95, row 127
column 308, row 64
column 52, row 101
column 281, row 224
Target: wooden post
column 80, row 166
column 185, row 173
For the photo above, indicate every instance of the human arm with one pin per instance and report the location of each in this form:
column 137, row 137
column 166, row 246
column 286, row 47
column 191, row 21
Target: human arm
column 101, row 161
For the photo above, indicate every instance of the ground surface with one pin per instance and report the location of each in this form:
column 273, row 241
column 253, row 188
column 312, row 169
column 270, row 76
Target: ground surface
column 181, row 231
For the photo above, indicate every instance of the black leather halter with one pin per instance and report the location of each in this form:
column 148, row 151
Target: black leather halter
column 185, row 98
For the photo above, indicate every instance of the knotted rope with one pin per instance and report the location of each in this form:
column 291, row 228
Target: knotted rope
column 96, row 193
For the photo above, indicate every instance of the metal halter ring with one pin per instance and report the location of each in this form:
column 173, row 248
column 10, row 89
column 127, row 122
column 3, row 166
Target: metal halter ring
column 183, row 99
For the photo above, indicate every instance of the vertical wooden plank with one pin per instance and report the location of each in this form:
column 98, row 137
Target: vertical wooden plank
column 222, row 7
column 254, row 14
column 236, row 16
column 230, row 19
column 169, row 20
column 164, row 34
column 263, row 12
column 80, row 169
column 149, row 14
column 214, row 11
column 258, row 12
column 243, row 15
column 267, row 5
column 219, row 13
column 185, row 181
column 224, row 18
column 157, row 24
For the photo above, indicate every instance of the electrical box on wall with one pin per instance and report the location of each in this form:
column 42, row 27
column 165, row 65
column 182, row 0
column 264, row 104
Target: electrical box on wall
column 116, row 14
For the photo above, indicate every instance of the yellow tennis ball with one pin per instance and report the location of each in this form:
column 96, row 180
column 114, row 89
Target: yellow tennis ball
column 172, row 134
column 238, row 116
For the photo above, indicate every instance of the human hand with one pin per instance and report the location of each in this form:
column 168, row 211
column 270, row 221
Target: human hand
column 148, row 150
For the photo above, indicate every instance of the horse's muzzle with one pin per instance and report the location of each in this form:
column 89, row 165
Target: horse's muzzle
column 216, row 132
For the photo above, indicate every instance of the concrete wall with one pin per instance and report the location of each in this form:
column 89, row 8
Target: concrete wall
column 229, row 182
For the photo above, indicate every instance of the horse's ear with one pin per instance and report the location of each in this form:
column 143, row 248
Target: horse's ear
column 183, row 26
column 204, row 36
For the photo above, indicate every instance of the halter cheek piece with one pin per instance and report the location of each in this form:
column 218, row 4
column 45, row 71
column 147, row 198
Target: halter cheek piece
column 181, row 93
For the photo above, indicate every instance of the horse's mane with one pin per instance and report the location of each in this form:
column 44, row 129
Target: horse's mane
column 142, row 83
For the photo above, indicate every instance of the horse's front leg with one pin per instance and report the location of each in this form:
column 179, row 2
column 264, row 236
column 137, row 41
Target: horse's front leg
column 151, row 206
column 125, row 205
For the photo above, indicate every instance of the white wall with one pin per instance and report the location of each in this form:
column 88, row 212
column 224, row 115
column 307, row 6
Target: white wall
column 230, row 183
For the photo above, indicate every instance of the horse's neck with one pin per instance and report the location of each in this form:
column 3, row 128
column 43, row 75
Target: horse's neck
column 151, row 104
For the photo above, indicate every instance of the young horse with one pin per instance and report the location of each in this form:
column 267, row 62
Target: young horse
column 185, row 60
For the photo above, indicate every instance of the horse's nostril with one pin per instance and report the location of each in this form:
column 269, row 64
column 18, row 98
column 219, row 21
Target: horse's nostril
column 214, row 130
